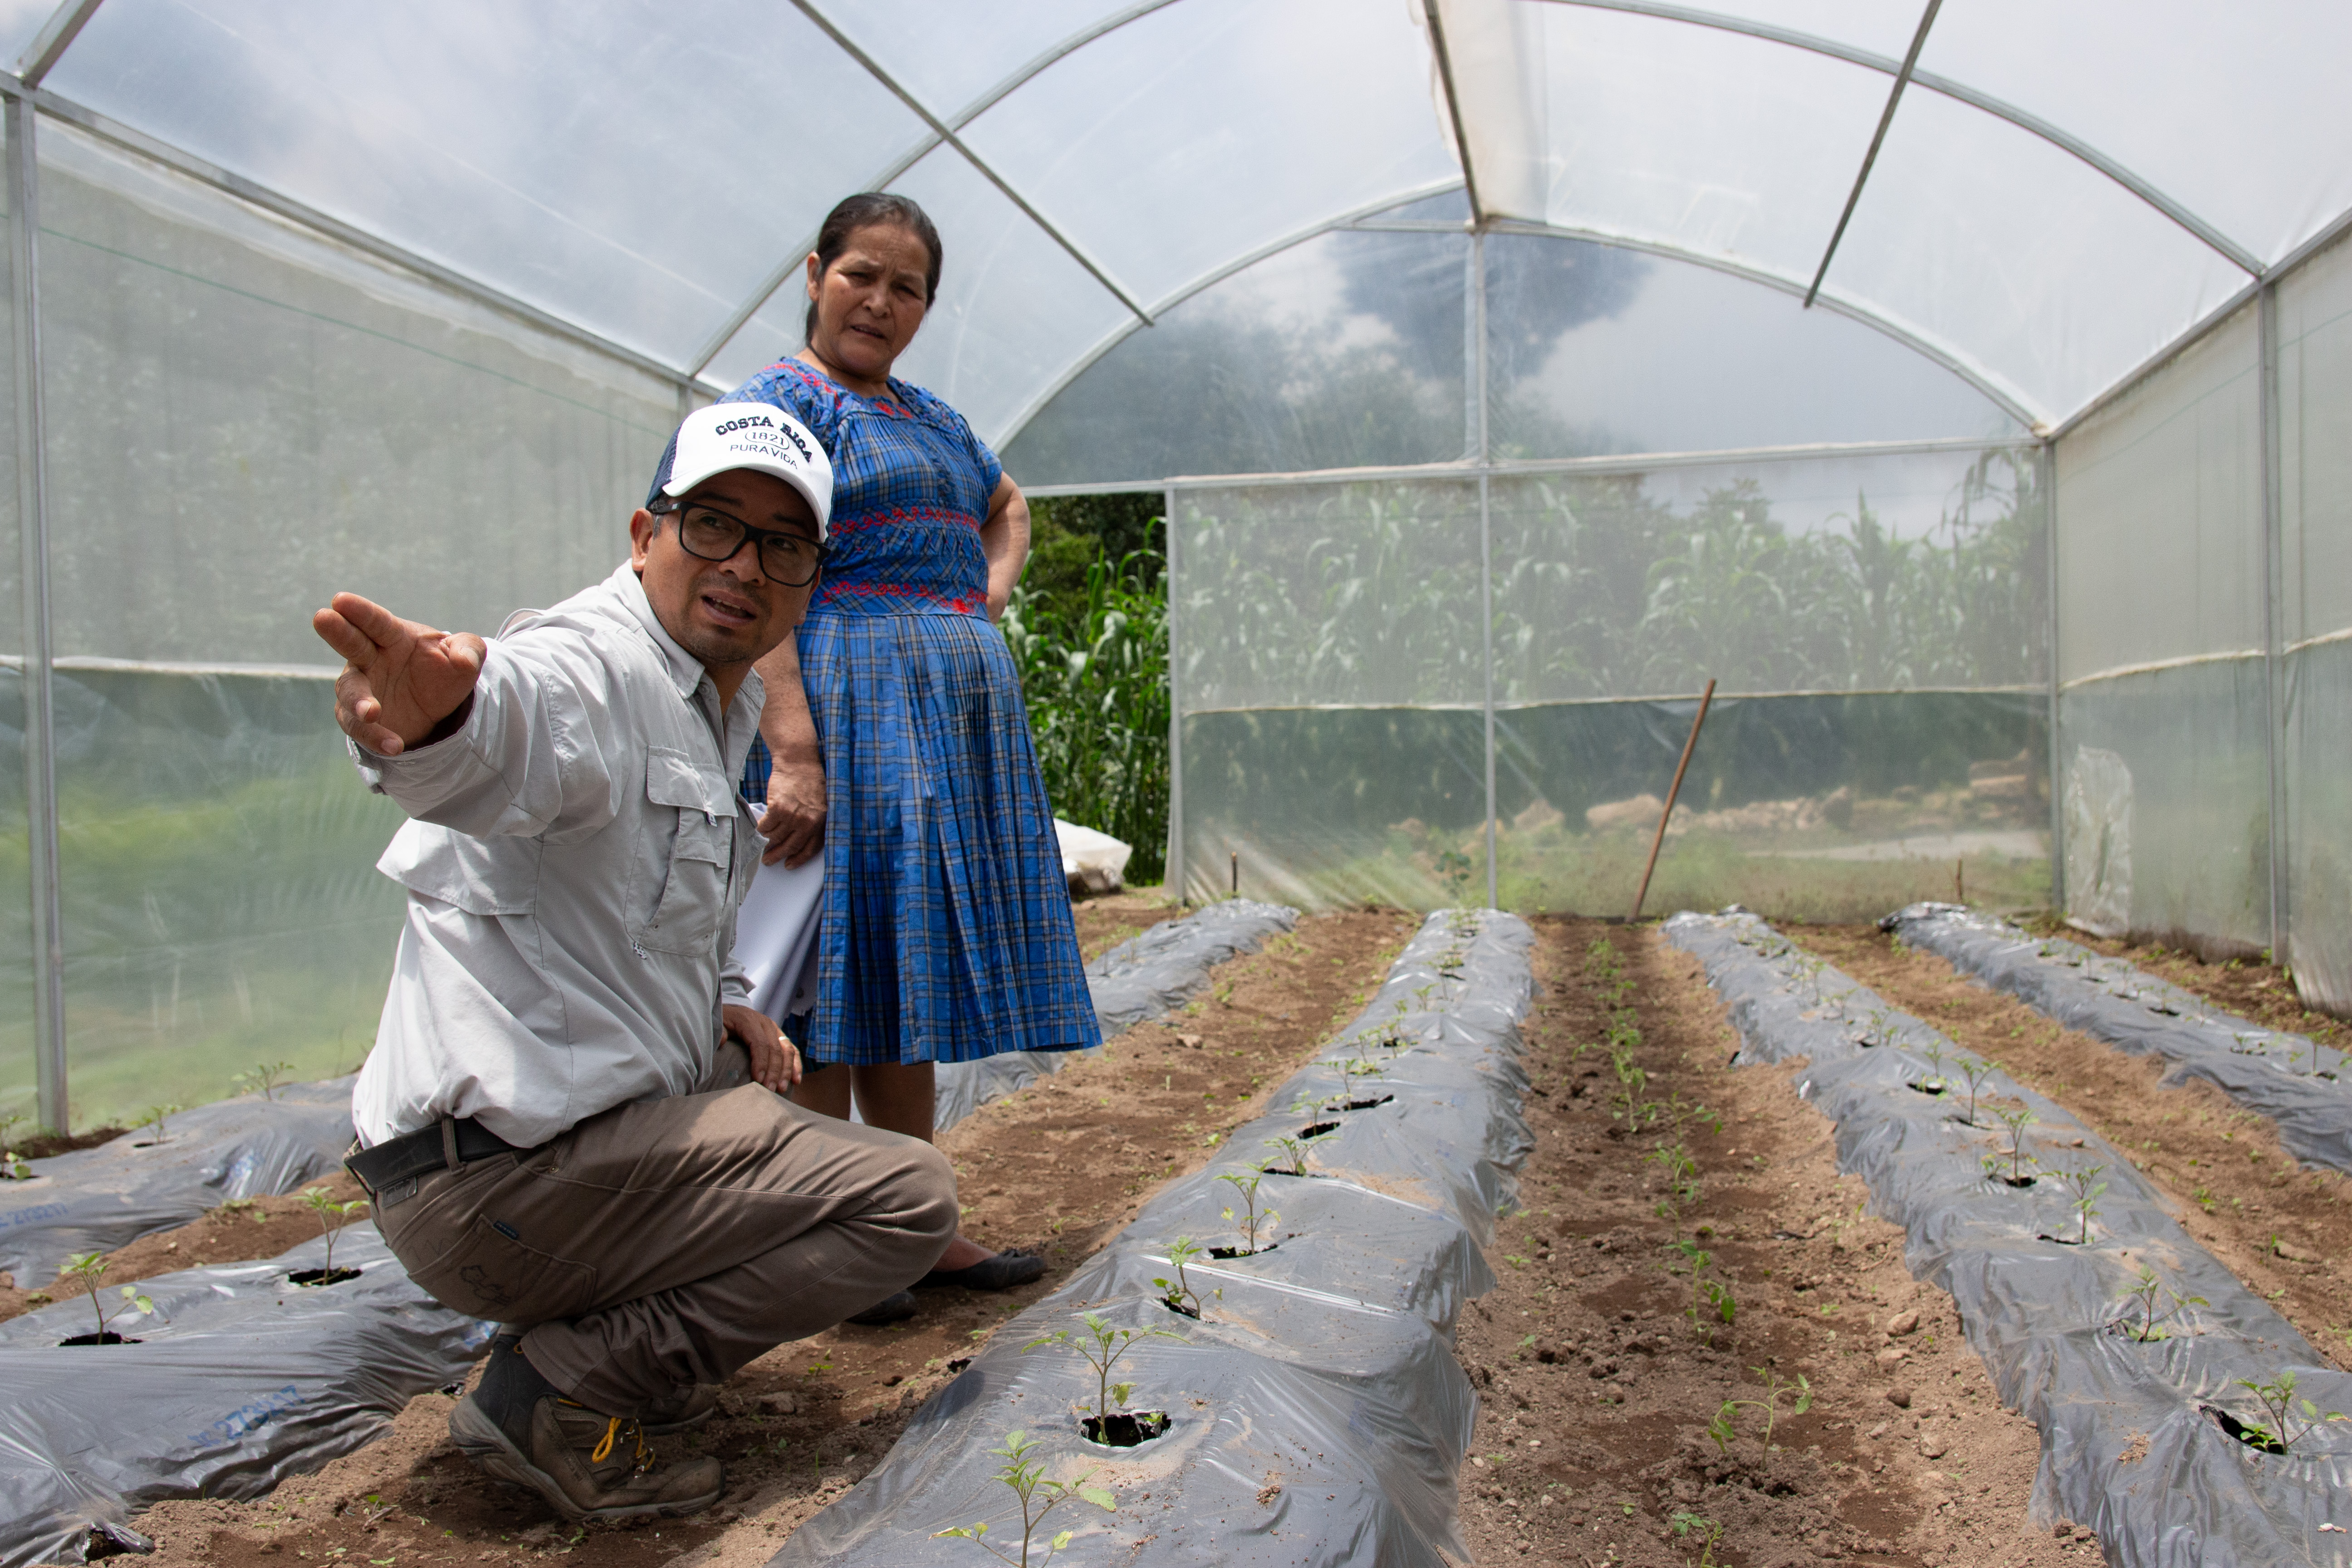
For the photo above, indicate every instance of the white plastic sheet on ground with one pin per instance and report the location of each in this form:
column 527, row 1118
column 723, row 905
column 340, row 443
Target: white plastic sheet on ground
column 2302, row 1086
column 1317, row 1414
column 2131, row 1447
column 101, row 1198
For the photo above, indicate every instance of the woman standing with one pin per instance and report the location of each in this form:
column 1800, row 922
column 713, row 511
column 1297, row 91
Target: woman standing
column 895, row 742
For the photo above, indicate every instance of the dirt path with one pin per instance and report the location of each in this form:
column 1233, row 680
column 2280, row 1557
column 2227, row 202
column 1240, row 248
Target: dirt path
column 2283, row 1231
column 1058, row 1168
column 1603, row 1359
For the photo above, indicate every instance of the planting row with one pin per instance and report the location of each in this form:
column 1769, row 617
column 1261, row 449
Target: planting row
column 217, row 1381
column 2180, row 1417
column 1142, row 978
column 2304, row 1087
column 1264, row 1353
column 177, row 1163
column 236, row 1376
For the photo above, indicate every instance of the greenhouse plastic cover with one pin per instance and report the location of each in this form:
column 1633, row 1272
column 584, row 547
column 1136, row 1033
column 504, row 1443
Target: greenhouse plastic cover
column 1140, row 978
column 238, row 1382
column 2128, row 1448
column 2304, row 1088
column 2038, row 216
column 1319, row 1415
column 101, row 1198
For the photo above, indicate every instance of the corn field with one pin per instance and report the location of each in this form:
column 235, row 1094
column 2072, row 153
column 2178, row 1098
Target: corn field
column 1094, row 671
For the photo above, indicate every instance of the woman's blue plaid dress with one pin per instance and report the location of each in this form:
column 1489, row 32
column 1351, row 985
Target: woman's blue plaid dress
column 946, row 931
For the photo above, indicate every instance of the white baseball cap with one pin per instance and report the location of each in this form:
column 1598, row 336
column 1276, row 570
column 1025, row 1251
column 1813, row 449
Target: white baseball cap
column 756, row 435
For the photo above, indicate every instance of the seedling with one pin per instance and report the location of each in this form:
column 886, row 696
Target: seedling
column 12, row 1164
column 2151, row 1323
column 1039, row 1497
column 1178, row 1294
column 1714, row 1301
column 332, row 1218
column 1100, row 1348
column 265, row 1077
column 90, row 1268
column 1252, row 1219
column 1976, row 1073
column 1709, row 1532
column 1681, row 1181
column 2288, row 1419
column 2017, row 1121
column 1934, row 1082
column 1721, row 1429
column 156, row 1117
column 1880, row 1028
column 1293, row 1151
column 2086, row 1187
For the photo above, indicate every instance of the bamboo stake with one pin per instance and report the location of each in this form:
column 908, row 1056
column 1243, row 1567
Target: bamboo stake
column 1676, row 789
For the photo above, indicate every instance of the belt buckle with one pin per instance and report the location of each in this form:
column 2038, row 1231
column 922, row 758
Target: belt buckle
column 395, row 1194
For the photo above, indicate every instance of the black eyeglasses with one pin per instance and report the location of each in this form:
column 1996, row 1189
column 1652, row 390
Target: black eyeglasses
column 791, row 559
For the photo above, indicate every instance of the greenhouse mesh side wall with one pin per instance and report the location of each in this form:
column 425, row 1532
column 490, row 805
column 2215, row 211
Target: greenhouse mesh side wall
column 2163, row 762
column 1877, row 623
column 321, row 422
column 2315, row 394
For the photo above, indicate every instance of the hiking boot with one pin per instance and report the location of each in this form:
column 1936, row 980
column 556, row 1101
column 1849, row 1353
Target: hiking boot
column 691, row 1409
column 520, row 1427
column 586, row 1465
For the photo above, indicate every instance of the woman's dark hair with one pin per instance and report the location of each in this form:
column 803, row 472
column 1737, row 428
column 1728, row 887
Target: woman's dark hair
column 870, row 209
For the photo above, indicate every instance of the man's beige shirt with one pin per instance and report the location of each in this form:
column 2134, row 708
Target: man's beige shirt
column 577, row 853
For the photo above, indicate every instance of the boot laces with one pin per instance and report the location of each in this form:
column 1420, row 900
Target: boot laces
column 643, row 1458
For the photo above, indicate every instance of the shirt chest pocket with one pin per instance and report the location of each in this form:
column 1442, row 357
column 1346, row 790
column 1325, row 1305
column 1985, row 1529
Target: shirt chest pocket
column 689, row 855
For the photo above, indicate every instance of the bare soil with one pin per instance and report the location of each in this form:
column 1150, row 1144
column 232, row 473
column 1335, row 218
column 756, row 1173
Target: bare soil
column 2285, row 1231
column 1601, row 1364
column 1057, row 1169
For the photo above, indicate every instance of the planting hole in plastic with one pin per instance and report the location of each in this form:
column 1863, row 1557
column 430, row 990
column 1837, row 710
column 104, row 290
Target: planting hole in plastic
column 315, row 1278
column 1176, row 1305
column 2020, row 1182
column 2253, row 1438
column 1367, row 1104
column 1319, row 1129
column 108, row 1338
column 1225, row 1254
column 1930, row 1086
column 1126, row 1429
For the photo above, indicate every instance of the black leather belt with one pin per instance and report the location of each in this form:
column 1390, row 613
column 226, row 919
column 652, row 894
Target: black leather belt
column 390, row 1170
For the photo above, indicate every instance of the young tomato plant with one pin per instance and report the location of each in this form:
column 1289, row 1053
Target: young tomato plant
column 265, row 1077
column 2016, row 1120
column 1293, row 1151
column 2287, row 1418
column 1976, row 1073
column 2086, row 1187
column 1721, row 1429
column 1253, row 1219
column 157, row 1117
column 90, row 1268
column 1688, row 1524
column 2151, row 1323
column 1713, row 1301
column 1039, row 1497
column 324, row 1207
column 1100, row 1347
column 1179, row 1295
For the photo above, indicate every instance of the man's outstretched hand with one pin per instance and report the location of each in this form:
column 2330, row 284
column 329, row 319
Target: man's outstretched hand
column 400, row 679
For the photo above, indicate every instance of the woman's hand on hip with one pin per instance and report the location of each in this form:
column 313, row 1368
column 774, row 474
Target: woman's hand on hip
column 775, row 1060
column 794, row 823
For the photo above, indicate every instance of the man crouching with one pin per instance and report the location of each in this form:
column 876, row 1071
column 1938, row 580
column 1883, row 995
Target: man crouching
column 545, row 1124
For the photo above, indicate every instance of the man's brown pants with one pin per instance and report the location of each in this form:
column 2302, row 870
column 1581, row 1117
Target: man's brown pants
column 665, row 1244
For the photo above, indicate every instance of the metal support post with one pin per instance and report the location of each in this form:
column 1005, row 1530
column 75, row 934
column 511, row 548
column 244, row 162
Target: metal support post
column 1477, row 369
column 1487, row 647
column 1173, row 879
column 32, row 525
column 2274, row 660
column 2046, row 480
